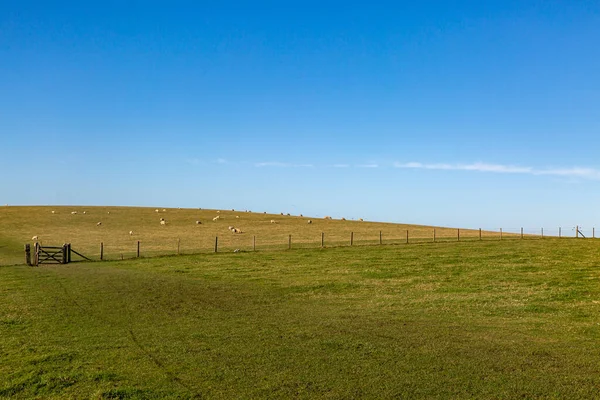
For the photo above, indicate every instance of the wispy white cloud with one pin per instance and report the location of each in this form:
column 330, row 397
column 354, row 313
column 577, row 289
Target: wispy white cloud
column 281, row 164
column 372, row 165
column 341, row 165
column 576, row 172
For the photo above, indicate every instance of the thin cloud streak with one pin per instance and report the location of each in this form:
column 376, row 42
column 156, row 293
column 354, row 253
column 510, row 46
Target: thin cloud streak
column 576, row 172
column 367, row 166
column 281, row 165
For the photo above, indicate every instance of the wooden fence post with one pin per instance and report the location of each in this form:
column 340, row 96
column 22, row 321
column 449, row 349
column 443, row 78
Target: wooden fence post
column 289, row 242
column 521, row 232
column 479, row 233
column 138, row 248
column 101, row 251
column 28, row 254
column 458, row 235
column 407, row 236
column 64, row 253
column 351, row 238
column 178, row 243
column 36, row 255
column 216, row 243
column 253, row 243
column 576, row 231
column 380, row 242
column 559, row 232
column 500, row 233
column 433, row 235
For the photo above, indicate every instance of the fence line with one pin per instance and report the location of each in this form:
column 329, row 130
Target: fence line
column 143, row 248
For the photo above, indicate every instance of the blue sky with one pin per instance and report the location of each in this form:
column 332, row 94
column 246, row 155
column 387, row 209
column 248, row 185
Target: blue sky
column 463, row 113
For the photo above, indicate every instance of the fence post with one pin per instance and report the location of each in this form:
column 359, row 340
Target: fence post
column 521, row 233
column 500, row 233
column 36, row 256
column 458, row 235
column 138, row 248
column 28, row 254
column 479, row 233
column 351, row 238
column 322, row 239
column 69, row 251
column 64, row 253
column 216, row 243
column 101, row 251
column 433, row 235
column 289, row 242
column 576, row 231
column 253, row 243
column 559, row 232
column 380, row 237
column 542, row 233
column 178, row 243
column 407, row 236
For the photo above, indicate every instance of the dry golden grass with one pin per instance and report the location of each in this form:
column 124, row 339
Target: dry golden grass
column 20, row 224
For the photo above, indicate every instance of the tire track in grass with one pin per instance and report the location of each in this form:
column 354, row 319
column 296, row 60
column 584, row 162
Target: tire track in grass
column 152, row 357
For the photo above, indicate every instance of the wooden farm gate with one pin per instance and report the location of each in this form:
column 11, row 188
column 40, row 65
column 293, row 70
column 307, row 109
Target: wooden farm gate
column 50, row 254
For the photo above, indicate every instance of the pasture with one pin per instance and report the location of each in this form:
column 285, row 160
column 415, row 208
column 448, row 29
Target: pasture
column 20, row 224
column 476, row 319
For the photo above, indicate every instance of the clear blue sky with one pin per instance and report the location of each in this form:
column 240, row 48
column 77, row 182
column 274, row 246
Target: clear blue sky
column 462, row 113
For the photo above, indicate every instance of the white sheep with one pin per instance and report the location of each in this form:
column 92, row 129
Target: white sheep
column 198, row 222
column 163, row 222
column 35, row 238
column 273, row 221
column 156, row 210
column 130, row 233
column 164, row 209
column 309, row 221
column 108, row 212
column 237, row 216
column 84, row 212
column 216, row 218
column 327, row 217
column 236, row 230
column 230, row 227
column 99, row 223
column 52, row 212
column 361, row 220
column 73, row 212
column 218, row 211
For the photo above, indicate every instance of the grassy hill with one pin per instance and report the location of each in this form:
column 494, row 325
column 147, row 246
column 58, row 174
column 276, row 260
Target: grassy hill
column 490, row 319
column 20, row 224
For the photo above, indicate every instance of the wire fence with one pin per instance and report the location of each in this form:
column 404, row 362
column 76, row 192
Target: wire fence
column 152, row 247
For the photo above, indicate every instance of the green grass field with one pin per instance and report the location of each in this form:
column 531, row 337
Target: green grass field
column 478, row 319
column 20, row 224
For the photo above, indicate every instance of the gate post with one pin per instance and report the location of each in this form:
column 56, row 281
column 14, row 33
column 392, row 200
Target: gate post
column 36, row 256
column 64, row 253
column 28, row 254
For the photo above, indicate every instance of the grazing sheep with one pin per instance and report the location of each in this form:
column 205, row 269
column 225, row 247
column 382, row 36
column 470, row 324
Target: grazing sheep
column 232, row 209
column 230, row 227
column 198, row 223
column 156, row 210
column 280, row 213
column 216, row 218
column 264, row 212
column 343, row 219
column 130, row 233
column 360, row 219
column 84, row 212
column 237, row 216
column 52, row 212
column 327, row 217
column 35, row 238
column 108, row 212
column 73, row 212
column 99, row 223
column 236, row 251
column 301, row 215
column 164, row 209
column 273, row 221
column 309, row 221
column 236, row 230
column 163, row 222
column 218, row 212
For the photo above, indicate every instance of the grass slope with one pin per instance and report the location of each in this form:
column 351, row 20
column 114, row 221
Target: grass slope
column 20, row 224
column 490, row 319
